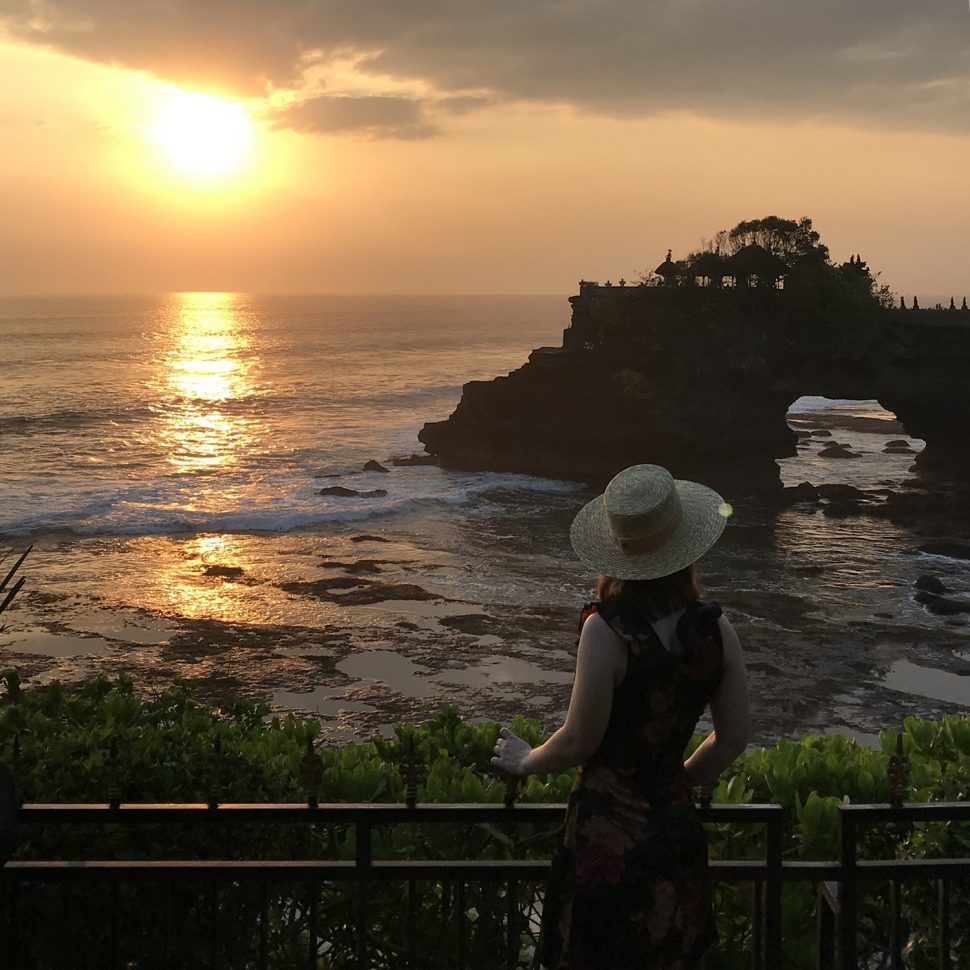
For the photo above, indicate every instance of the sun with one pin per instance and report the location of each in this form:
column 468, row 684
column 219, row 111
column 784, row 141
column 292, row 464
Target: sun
column 202, row 134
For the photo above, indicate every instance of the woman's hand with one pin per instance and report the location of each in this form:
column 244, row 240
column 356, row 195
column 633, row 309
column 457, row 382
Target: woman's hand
column 511, row 752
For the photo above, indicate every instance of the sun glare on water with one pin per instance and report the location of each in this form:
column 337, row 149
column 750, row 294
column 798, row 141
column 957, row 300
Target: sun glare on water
column 202, row 134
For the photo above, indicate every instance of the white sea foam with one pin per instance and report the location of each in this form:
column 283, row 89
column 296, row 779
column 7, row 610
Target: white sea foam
column 173, row 506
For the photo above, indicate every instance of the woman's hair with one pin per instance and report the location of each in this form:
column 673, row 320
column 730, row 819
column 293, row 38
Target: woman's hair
column 655, row 597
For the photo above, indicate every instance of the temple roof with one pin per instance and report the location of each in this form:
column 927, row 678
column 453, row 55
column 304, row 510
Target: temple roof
column 709, row 264
column 667, row 267
column 755, row 259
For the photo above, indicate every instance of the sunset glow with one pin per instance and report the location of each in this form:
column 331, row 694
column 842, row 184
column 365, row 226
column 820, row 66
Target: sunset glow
column 202, row 134
column 314, row 150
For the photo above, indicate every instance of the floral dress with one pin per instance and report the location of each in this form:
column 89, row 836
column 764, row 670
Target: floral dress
column 629, row 887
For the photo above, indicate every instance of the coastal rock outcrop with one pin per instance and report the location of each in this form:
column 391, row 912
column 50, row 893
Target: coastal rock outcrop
column 700, row 379
column 345, row 492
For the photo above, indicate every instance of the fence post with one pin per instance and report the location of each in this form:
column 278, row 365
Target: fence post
column 828, row 908
column 847, row 889
column 113, row 775
column 412, row 774
column 311, row 774
column 773, row 886
column 8, row 814
column 897, row 770
column 362, row 864
column 217, row 770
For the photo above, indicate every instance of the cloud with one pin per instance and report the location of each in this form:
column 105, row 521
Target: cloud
column 376, row 115
column 893, row 63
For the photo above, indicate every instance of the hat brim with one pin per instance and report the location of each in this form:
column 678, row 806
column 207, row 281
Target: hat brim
column 705, row 514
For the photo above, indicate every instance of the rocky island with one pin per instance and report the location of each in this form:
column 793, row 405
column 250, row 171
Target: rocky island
column 695, row 368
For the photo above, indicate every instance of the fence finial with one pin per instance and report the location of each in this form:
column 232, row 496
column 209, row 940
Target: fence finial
column 217, row 766
column 113, row 775
column 413, row 774
column 703, row 794
column 311, row 774
column 511, row 790
column 17, row 770
column 897, row 771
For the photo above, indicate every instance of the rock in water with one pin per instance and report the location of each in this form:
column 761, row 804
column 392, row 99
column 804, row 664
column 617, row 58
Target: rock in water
column 352, row 492
column 408, row 460
column 931, row 584
column 836, row 451
column 942, row 605
column 226, row 572
column 375, row 466
column 952, row 549
column 802, row 492
column 841, row 493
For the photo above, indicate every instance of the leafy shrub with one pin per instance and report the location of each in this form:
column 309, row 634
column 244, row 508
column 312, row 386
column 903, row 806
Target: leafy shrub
column 164, row 743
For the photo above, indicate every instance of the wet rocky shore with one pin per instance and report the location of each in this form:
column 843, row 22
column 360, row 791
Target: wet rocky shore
column 478, row 610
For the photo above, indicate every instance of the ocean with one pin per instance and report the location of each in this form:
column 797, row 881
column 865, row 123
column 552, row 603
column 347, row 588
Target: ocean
column 166, row 456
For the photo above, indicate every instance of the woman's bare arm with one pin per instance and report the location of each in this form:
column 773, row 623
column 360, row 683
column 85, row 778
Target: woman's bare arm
column 729, row 714
column 600, row 665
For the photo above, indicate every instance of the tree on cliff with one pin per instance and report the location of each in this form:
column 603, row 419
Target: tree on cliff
column 790, row 240
column 794, row 241
column 818, row 285
column 857, row 277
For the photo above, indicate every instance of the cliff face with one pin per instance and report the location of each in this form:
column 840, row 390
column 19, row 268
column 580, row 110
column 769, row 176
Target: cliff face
column 700, row 380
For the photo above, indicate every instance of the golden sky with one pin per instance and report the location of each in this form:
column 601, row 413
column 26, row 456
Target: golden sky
column 483, row 147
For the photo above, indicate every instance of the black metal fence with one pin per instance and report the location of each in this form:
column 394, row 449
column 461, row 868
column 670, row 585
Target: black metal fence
column 61, row 884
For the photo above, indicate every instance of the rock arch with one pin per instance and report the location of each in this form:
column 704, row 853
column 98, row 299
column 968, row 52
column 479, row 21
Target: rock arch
column 699, row 379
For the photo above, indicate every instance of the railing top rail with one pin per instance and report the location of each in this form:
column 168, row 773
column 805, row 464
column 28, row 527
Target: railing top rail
column 137, row 812
column 910, row 811
column 330, row 869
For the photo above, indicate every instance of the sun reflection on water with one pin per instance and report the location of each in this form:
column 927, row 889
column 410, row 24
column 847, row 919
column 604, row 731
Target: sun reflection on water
column 208, row 578
column 208, row 368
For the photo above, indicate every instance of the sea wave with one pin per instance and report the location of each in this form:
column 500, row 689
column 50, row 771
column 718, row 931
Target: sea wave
column 65, row 419
column 162, row 508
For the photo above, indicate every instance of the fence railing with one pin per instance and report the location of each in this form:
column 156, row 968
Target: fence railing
column 58, row 883
column 838, row 881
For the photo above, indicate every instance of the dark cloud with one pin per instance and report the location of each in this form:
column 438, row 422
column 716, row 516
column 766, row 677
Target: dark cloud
column 376, row 115
column 461, row 104
column 884, row 62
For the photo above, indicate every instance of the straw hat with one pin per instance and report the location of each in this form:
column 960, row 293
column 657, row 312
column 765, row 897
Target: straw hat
column 646, row 524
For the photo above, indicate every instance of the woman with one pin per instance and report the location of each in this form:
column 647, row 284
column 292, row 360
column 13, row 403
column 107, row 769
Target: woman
column 629, row 886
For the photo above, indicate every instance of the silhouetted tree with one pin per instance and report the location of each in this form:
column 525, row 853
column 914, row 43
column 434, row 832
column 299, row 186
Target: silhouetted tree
column 915, row 303
column 789, row 239
column 795, row 242
column 953, row 305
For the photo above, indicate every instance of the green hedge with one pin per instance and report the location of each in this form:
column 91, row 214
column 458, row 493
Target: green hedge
column 165, row 741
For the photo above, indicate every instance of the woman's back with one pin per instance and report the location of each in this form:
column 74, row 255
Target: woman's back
column 664, row 690
column 631, row 876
